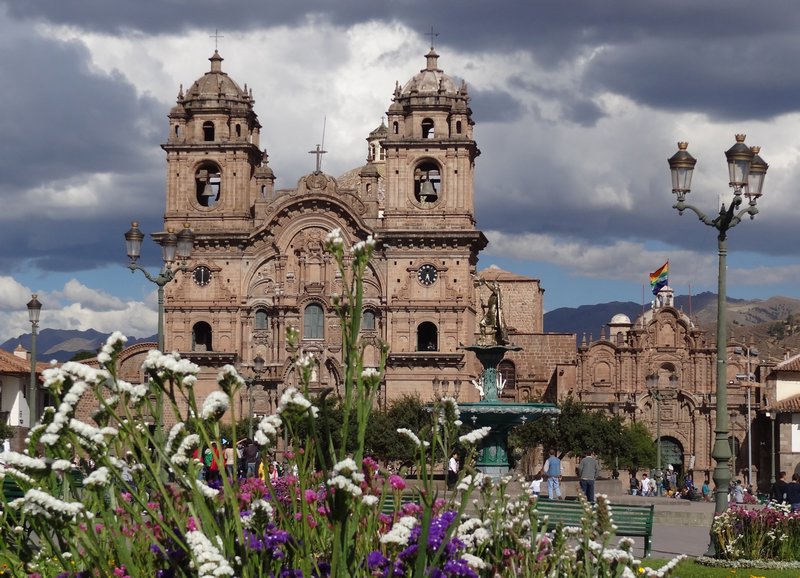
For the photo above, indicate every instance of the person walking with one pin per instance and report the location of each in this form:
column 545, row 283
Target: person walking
column 633, row 483
column 587, row 472
column 535, row 488
column 738, row 492
column 552, row 468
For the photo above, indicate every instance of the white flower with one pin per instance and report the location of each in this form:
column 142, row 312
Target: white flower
column 98, row 478
column 173, row 435
column 370, row 500
column 186, row 447
column 410, row 434
column 347, row 477
column 61, row 465
column 215, row 405
column 268, row 430
column 400, row 532
column 334, row 240
column 228, row 372
column 361, row 247
column 115, row 342
column 22, row 462
column 475, row 436
column 210, row 563
column 293, row 399
column 39, row 503
column 206, row 490
column 473, row 561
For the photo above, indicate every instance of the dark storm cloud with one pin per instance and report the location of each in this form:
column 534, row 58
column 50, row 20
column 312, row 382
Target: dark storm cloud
column 495, row 106
column 62, row 119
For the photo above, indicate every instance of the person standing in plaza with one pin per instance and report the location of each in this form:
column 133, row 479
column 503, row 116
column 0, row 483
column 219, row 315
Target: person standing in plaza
column 587, row 472
column 452, row 471
column 552, row 468
column 778, row 491
column 793, row 493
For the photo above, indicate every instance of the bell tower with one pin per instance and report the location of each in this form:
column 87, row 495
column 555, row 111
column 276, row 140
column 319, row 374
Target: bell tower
column 212, row 154
column 429, row 235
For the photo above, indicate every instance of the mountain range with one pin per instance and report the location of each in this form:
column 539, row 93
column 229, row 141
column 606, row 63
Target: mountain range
column 773, row 325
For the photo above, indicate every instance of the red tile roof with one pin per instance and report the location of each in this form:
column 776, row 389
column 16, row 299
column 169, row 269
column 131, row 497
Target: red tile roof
column 10, row 363
column 791, row 364
column 790, row 404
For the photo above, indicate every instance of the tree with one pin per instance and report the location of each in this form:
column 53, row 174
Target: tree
column 383, row 441
column 577, row 431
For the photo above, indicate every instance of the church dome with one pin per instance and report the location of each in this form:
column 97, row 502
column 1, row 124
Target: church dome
column 430, row 80
column 216, row 89
column 620, row 319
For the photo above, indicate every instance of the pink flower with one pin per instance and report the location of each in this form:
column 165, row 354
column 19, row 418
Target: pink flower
column 98, row 527
column 311, row 496
column 191, row 526
column 289, row 455
column 397, row 482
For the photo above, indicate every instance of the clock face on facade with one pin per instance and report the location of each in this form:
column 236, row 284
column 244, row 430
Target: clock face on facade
column 427, row 274
column 202, row 276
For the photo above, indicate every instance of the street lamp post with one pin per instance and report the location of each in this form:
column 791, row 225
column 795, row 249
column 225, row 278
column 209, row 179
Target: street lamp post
column 34, row 309
column 771, row 415
column 652, row 387
column 172, row 246
column 746, row 176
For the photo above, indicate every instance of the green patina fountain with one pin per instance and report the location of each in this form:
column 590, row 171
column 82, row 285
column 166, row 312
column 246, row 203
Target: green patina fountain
column 500, row 416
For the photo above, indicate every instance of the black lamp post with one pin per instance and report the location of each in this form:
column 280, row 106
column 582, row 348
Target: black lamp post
column 652, row 386
column 34, row 310
column 746, row 171
column 172, row 246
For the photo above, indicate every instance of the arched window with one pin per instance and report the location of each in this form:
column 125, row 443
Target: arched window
column 427, row 128
column 208, row 131
column 261, row 319
column 207, row 185
column 177, row 130
column 313, row 322
column 201, row 337
column 238, row 130
column 427, row 337
column 395, row 127
column 508, row 371
column 458, row 127
column 427, row 182
column 368, row 321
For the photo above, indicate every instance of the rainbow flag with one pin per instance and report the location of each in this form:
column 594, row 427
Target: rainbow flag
column 659, row 278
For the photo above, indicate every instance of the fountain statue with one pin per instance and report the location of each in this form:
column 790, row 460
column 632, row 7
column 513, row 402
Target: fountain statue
column 493, row 344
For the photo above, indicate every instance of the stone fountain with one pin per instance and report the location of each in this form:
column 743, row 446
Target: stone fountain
column 501, row 416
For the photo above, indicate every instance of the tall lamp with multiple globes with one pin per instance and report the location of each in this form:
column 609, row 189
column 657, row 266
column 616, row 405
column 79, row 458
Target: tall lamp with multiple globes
column 172, row 246
column 34, row 309
column 746, row 171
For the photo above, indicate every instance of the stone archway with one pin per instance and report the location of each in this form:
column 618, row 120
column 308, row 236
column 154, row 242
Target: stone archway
column 672, row 453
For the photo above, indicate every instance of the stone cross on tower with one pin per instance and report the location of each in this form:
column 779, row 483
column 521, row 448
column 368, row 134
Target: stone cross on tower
column 216, row 36
column 319, row 152
column 433, row 35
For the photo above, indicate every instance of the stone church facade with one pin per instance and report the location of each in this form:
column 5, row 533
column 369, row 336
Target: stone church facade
column 661, row 370
column 259, row 267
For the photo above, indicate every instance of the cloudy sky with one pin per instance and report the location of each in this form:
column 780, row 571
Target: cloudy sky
column 578, row 105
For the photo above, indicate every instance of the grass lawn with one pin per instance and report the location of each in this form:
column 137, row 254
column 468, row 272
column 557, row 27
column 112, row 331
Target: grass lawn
column 691, row 569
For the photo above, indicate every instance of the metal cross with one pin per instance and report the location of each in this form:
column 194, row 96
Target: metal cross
column 433, row 35
column 319, row 152
column 216, row 36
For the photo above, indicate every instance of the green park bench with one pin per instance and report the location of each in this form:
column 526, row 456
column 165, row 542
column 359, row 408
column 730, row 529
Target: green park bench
column 11, row 490
column 389, row 504
column 631, row 521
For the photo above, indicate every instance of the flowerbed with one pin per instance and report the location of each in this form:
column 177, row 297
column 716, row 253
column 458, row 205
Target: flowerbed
column 769, row 533
column 145, row 511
